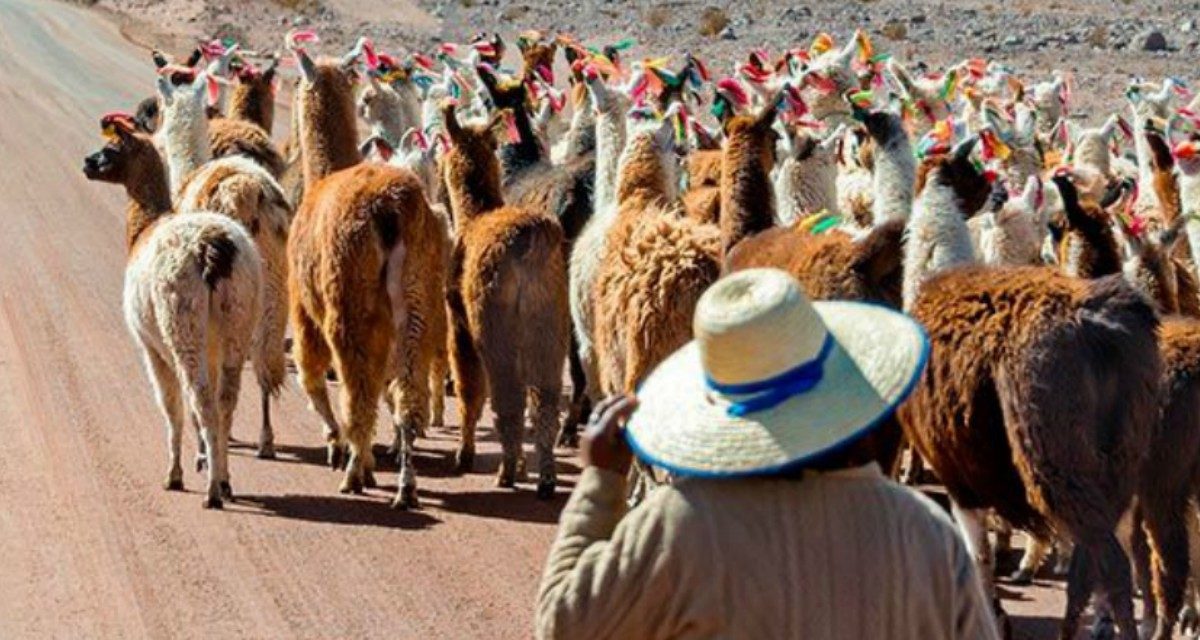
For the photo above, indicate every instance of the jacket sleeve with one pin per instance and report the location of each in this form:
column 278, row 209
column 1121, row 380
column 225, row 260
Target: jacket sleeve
column 610, row 576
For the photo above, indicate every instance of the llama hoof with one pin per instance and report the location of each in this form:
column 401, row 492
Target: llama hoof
column 545, row 490
column 569, row 438
column 1104, row 629
column 437, row 422
column 226, row 490
column 213, row 502
column 265, row 452
column 336, row 456
column 1021, row 577
column 464, row 460
column 201, row 463
column 351, row 485
column 173, row 484
column 1189, row 621
column 368, row 480
column 506, row 481
column 406, row 499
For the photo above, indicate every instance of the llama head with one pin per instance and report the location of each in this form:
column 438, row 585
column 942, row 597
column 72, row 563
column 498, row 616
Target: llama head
column 537, row 57
column 959, row 172
column 470, row 167
column 378, row 102
column 1183, row 138
column 1148, row 262
column 754, row 134
column 1016, row 237
column 124, row 154
column 488, row 48
column 147, row 115
column 507, row 93
column 187, row 99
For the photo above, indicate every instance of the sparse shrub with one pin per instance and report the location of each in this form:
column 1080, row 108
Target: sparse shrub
column 713, row 21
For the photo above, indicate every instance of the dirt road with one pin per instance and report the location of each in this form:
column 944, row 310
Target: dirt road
column 93, row 546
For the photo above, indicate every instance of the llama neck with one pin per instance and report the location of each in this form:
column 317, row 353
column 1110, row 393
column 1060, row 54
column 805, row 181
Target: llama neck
column 518, row 156
column 937, row 237
column 328, row 132
column 149, row 198
column 644, row 174
column 610, row 138
column 185, row 136
column 581, row 136
column 472, row 185
column 1147, row 198
column 747, row 199
column 253, row 102
column 895, row 174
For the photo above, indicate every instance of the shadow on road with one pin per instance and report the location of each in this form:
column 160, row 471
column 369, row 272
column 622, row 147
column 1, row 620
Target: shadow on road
column 521, row 505
column 372, row 510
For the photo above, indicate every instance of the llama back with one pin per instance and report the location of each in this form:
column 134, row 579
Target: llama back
column 676, row 259
column 517, row 276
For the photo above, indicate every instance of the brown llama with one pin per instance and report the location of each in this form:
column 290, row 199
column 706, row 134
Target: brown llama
column 360, row 252
column 1171, row 474
column 654, row 266
column 1039, row 398
column 531, row 181
column 508, row 306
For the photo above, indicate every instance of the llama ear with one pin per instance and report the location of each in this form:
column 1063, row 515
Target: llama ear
column 450, row 119
column 269, row 74
column 308, row 69
column 195, row 58
column 159, row 58
column 962, row 152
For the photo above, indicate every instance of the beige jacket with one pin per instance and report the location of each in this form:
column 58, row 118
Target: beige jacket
column 847, row 554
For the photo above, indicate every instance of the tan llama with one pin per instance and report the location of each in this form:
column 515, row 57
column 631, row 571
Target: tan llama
column 362, row 247
column 654, row 267
column 508, row 305
column 193, row 285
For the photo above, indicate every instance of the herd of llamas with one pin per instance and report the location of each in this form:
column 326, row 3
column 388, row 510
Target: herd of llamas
column 495, row 225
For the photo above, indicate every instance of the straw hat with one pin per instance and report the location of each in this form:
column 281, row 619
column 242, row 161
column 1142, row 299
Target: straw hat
column 773, row 379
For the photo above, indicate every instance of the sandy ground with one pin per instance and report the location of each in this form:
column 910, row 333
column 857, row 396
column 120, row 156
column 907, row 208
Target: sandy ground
column 93, row 547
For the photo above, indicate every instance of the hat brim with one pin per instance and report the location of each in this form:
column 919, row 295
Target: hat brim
column 685, row 428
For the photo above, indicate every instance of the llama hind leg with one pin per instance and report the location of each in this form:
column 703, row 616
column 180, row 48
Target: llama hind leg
column 470, row 381
column 1111, row 578
column 508, row 402
column 198, row 388
column 1080, row 583
column 543, row 403
column 230, row 387
column 312, row 357
column 1167, row 534
column 170, row 401
column 410, row 416
column 581, row 391
column 266, row 437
